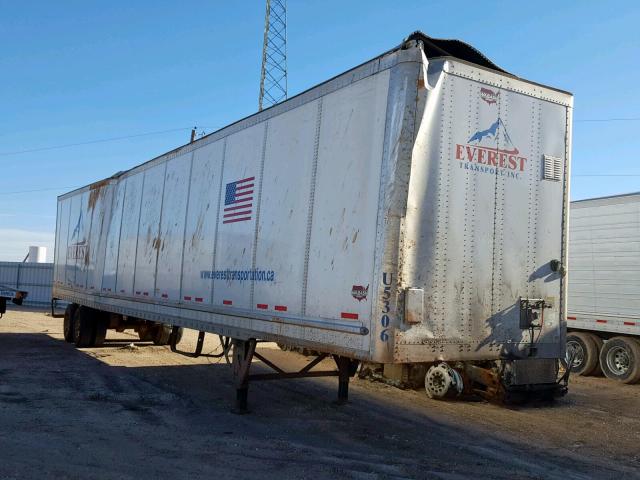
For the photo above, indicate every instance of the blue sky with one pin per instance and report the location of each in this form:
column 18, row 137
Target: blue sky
column 78, row 71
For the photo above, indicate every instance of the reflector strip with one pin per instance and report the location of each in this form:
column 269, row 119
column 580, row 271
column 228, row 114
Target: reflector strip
column 630, row 324
column 262, row 306
column 571, row 318
column 198, row 299
column 349, row 316
column 137, row 293
column 280, row 308
column 227, row 302
column 601, row 321
column 146, row 294
column 187, row 298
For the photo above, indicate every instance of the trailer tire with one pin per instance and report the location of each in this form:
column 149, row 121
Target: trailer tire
column 620, row 359
column 146, row 333
column 83, row 327
column 179, row 334
column 161, row 334
column 67, row 324
column 597, row 372
column 100, row 330
column 585, row 360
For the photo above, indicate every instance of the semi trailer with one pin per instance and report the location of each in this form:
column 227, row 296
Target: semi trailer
column 412, row 210
column 603, row 317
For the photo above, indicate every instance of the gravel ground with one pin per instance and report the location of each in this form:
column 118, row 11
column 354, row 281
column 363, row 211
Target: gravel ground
column 140, row 411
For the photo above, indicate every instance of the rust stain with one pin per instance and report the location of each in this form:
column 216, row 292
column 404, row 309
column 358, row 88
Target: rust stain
column 95, row 192
column 197, row 234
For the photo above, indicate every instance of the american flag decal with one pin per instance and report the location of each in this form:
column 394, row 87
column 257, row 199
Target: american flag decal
column 238, row 201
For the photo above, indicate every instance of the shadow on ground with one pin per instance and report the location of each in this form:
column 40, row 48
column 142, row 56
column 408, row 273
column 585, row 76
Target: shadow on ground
column 66, row 414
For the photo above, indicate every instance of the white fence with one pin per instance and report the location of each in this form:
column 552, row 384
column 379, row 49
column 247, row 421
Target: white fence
column 35, row 278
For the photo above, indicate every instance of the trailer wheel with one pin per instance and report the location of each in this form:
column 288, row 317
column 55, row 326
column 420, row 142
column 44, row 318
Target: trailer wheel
column 597, row 372
column 585, row 353
column 100, row 330
column 83, row 326
column 620, row 359
column 67, row 325
column 179, row 334
column 146, row 333
column 161, row 334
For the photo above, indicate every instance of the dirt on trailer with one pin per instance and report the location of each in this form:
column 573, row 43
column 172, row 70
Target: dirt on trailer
column 134, row 410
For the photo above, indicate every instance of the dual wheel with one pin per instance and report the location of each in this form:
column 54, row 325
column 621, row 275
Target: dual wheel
column 618, row 358
column 85, row 326
column 159, row 334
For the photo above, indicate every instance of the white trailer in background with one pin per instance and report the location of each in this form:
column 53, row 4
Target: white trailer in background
column 603, row 317
column 411, row 210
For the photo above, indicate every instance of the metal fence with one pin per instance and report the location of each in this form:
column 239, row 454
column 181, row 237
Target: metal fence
column 35, row 278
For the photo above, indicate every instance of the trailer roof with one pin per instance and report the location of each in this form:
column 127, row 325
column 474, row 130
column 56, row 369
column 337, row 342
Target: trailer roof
column 605, row 198
column 433, row 48
column 444, row 47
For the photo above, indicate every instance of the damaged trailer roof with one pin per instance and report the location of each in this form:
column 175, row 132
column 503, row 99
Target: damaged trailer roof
column 443, row 47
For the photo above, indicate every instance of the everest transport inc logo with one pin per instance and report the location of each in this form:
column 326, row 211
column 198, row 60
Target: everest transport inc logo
column 481, row 152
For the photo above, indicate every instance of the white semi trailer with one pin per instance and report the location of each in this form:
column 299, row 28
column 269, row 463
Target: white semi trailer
column 410, row 210
column 604, row 289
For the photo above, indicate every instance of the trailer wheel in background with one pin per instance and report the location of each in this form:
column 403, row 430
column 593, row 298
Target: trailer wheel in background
column 597, row 372
column 585, row 353
column 67, row 325
column 161, row 334
column 620, row 359
column 83, row 326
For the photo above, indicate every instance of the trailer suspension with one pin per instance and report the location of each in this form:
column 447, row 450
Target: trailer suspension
column 245, row 350
column 224, row 341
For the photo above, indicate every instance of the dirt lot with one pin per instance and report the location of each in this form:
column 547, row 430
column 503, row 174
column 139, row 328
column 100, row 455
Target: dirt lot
column 144, row 412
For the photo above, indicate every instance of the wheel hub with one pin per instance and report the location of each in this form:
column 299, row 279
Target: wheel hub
column 618, row 360
column 442, row 380
column 575, row 349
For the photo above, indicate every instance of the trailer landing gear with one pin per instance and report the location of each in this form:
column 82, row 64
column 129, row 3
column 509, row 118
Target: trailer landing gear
column 245, row 350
